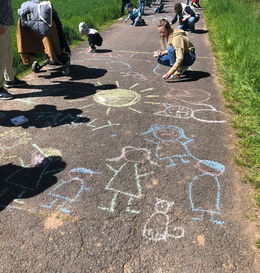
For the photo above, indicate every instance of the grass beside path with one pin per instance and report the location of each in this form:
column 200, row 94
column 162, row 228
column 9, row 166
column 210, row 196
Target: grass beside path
column 234, row 27
column 96, row 13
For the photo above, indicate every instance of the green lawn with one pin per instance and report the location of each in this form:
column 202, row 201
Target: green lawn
column 234, row 27
column 71, row 12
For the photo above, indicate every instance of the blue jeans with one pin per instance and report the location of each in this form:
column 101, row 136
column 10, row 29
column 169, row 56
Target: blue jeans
column 141, row 6
column 189, row 24
column 170, row 58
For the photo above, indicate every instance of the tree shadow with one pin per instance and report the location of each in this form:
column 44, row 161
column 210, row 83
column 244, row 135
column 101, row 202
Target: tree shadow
column 18, row 182
column 43, row 116
column 70, row 90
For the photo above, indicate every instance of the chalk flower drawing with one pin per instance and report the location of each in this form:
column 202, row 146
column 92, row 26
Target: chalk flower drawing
column 156, row 228
column 126, row 180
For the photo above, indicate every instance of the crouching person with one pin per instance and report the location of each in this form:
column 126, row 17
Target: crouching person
column 94, row 38
column 178, row 52
column 135, row 15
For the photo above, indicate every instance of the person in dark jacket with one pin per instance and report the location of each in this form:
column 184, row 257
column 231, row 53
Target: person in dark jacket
column 186, row 17
column 6, row 52
column 124, row 3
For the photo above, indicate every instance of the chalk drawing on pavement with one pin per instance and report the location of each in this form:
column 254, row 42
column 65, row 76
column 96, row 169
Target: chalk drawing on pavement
column 69, row 191
column 191, row 96
column 171, row 144
column 13, row 138
column 134, row 75
column 157, row 226
column 182, row 112
column 209, row 202
column 126, row 179
column 42, row 163
column 120, row 98
column 109, row 64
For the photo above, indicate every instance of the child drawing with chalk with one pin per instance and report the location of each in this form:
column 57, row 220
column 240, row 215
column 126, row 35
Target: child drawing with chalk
column 94, row 38
column 135, row 15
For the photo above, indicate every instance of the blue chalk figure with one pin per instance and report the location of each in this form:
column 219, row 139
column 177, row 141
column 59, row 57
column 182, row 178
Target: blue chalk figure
column 171, row 144
column 59, row 191
column 208, row 180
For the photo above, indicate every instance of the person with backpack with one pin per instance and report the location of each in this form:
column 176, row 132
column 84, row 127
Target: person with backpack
column 177, row 50
column 6, row 52
column 186, row 17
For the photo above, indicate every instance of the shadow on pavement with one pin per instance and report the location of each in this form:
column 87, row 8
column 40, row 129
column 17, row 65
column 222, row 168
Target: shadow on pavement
column 43, row 116
column 18, row 182
column 70, row 90
column 200, row 31
column 190, row 76
column 104, row 51
column 77, row 72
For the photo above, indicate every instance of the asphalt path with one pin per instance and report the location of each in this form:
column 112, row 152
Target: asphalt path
column 118, row 170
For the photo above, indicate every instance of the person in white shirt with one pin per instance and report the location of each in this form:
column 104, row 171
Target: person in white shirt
column 94, row 38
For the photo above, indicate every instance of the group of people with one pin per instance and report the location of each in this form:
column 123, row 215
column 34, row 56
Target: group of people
column 177, row 51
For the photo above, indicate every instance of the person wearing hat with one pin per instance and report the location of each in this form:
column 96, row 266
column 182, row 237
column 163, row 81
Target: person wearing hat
column 94, row 38
column 135, row 15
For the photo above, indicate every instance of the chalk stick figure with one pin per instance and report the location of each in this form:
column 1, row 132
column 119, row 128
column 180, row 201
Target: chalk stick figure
column 126, row 180
column 69, row 191
column 204, row 190
column 171, row 143
column 156, row 228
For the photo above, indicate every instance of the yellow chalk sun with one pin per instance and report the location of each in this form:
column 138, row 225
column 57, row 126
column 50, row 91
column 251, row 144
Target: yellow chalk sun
column 120, row 97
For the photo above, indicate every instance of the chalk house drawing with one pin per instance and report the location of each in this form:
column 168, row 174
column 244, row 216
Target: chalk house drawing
column 209, row 178
column 182, row 112
column 156, row 228
column 121, row 98
column 132, row 158
column 65, row 197
column 171, row 143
